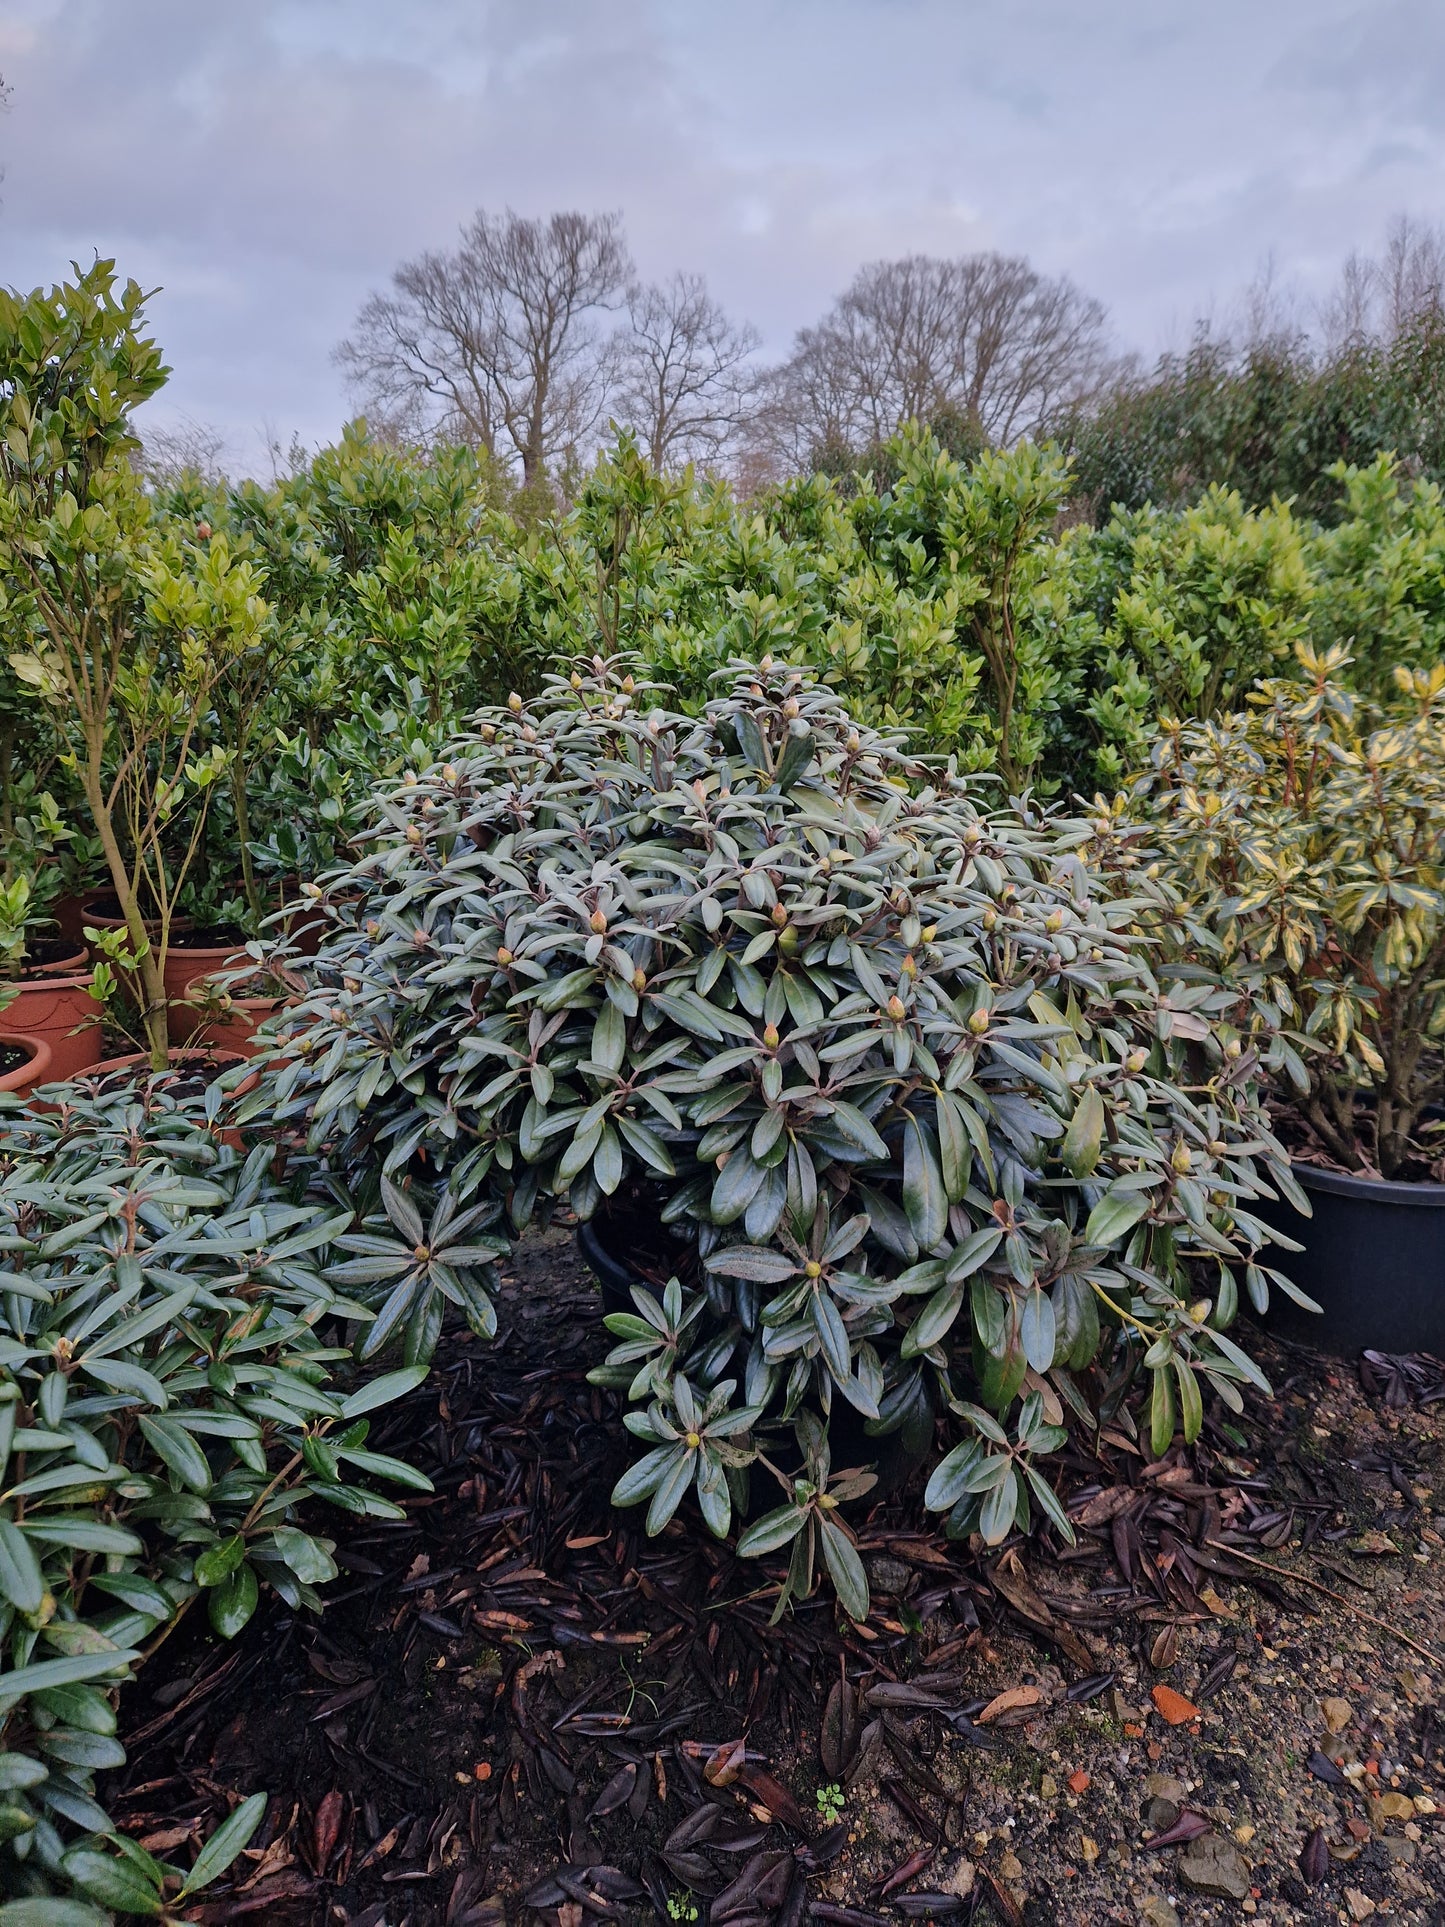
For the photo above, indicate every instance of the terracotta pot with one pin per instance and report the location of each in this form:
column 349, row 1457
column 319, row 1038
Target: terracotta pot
column 36, row 1068
column 70, row 963
column 184, row 963
column 135, row 1059
column 52, row 1008
column 67, row 914
column 101, row 911
column 231, row 1029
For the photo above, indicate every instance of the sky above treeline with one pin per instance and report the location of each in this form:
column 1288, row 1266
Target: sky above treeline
column 266, row 165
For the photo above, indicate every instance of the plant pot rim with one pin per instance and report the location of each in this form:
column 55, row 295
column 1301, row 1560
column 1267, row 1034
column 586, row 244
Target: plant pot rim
column 197, row 987
column 176, row 1058
column 41, row 980
column 1346, row 1184
column 33, row 1070
column 67, row 966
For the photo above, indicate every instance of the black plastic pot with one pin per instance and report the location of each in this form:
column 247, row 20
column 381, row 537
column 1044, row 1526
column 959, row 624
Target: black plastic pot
column 1373, row 1258
column 614, row 1278
column 890, row 1457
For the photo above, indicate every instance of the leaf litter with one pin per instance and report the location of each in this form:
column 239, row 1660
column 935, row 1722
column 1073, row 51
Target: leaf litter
column 517, row 1708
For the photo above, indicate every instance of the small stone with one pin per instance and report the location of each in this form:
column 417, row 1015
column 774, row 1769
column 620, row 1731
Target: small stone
column 1360, row 1905
column 1164, row 1786
column 1088, row 1849
column 1048, row 1787
column 1156, row 1911
column 1338, row 1714
column 888, row 1575
column 1166, row 1795
column 1401, row 1852
column 1079, row 1782
column 959, row 1878
column 1011, row 1869
column 1211, row 1865
column 1396, row 1806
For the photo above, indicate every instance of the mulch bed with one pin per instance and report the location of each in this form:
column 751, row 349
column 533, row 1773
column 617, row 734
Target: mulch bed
column 516, row 1707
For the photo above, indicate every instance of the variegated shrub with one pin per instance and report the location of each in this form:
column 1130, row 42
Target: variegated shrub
column 1307, row 832
column 938, row 1139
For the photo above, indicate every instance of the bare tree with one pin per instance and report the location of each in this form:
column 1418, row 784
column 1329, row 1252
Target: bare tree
column 184, row 448
column 496, row 342
column 1378, row 299
column 1412, row 274
column 683, row 380
column 1347, row 314
column 984, row 336
column 1271, row 313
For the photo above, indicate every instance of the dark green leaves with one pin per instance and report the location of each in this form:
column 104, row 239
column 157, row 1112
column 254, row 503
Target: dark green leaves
column 233, row 1600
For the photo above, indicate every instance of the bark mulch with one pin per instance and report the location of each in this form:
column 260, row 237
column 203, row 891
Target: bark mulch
column 1226, row 1700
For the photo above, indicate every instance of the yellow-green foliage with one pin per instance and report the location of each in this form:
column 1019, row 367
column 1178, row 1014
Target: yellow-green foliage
column 1306, row 831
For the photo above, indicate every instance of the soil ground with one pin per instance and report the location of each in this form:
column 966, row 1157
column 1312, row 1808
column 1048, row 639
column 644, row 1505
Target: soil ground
column 516, row 1708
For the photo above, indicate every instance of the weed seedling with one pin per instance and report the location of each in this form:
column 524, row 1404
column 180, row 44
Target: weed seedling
column 829, row 1802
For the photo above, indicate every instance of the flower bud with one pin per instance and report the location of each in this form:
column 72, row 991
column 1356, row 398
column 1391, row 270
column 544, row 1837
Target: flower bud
column 408, row 779
column 504, row 956
column 1200, row 1310
column 413, row 833
column 575, row 680
column 791, row 708
column 909, row 967
column 1136, row 1060
column 779, row 916
column 854, row 743
column 1180, row 1161
column 598, row 923
column 203, row 531
column 812, row 1269
column 1054, row 921
column 450, row 773
column 770, row 1037
column 897, row 1009
column 989, row 919
column 766, row 665
column 373, row 928
column 980, row 1021
column 929, row 932
column 514, row 703
column 639, row 980
column 628, row 685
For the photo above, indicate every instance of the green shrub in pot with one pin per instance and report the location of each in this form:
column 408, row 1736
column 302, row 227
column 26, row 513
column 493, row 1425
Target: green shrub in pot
column 127, row 630
column 1306, row 833
column 168, row 1407
column 936, row 1134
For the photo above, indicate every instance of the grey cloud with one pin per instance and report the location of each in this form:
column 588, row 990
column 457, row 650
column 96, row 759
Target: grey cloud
column 268, row 164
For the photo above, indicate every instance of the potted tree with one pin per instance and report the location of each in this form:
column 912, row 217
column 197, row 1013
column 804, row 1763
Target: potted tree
column 870, row 1089
column 1308, row 834
column 130, row 626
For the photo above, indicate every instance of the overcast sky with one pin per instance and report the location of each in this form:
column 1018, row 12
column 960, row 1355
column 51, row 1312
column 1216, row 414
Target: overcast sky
column 266, row 164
